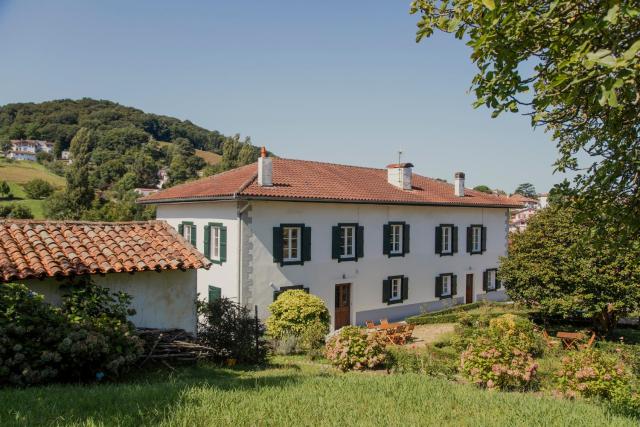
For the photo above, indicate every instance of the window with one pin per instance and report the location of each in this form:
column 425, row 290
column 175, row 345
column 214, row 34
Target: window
column 347, row 241
column 396, row 289
column 446, row 285
column 214, row 293
column 491, row 280
column 186, row 233
column 215, row 243
column 446, row 239
column 476, row 239
column 396, row 238
column 291, row 243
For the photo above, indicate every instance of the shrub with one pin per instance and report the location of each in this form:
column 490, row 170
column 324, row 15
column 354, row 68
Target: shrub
column 499, row 356
column 429, row 361
column 38, row 189
column 593, row 373
column 297, row 313
column 15, row 211
column 231, row 330
column 352, row 348
column 88, row 337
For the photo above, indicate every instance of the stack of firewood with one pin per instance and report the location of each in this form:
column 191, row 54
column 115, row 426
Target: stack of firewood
column 171, row 345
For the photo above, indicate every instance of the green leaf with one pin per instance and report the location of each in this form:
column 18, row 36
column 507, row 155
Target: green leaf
column 489, row 4
column 631, row 52
column 612, row 14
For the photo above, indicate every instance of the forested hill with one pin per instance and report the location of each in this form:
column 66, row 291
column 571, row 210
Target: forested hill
column 116, row 149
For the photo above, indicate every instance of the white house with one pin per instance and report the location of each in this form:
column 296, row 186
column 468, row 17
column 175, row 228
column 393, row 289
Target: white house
column 26, row 149
column 148, row 260
column 371, row 242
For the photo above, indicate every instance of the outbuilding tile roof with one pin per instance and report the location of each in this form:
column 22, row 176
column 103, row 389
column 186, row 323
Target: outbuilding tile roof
column 302, row 180
column 39, row 249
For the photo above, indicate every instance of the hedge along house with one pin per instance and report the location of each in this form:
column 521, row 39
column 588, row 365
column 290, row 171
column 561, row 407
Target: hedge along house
column 148, row 260
column 371, row 242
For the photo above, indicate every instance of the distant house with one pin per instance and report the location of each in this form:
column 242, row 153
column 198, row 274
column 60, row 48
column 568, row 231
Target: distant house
column 527, row 202
column 520, row 218
column 26, row 149
column 371, row 242
column 142, row 191
column 65, row 156
column 163, row 177
column 148, row 260
column 543, row 200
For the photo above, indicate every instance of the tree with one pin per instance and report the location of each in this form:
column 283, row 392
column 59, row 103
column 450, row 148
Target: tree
column 5, row 146
column 556, row 267
column 5, row 190
column 38, row 189
column 79, row 193
column 574, row 68
column 483, row 189
column 527, row 190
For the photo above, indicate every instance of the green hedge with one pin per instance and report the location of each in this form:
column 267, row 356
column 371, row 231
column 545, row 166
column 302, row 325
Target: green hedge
column 451, row 315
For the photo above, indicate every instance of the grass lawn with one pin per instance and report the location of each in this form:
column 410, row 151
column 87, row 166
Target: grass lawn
column 291, row 391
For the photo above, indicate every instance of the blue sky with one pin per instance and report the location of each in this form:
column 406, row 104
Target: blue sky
column 337, row 81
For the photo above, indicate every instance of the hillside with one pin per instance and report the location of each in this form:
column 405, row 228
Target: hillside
column 128, row 148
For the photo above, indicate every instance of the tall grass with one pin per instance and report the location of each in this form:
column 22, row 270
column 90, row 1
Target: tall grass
column 291, row 393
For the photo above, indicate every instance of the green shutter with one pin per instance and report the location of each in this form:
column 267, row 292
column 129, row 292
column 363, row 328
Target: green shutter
column 223, row 244
column 484, row 239
column 498, row 282
column 406, row 238
column 454, row 285
column 335, row 242
column 386, row 290
column 439, row 240
column 181, row 229
column 485, row 281
column 454, row 240
column 359, row 241
column 214, row 293
column 193, row 236
column 306, row 244
column 386, row 239
column 207, row 242
column 405, row 288
column 438, row 286
column 470, row 239
column 277, row 244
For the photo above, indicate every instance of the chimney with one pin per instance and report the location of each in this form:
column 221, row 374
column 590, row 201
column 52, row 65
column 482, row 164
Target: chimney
column 399, row 175
column 265, row 169
column 458, row 184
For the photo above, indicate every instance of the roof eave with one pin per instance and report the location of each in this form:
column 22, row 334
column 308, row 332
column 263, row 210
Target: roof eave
column 186, row 200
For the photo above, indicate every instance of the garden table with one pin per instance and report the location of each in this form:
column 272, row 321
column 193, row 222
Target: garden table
column 570, row 339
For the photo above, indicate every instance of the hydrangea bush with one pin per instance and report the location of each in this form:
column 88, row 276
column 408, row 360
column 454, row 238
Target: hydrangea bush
column 352, row 348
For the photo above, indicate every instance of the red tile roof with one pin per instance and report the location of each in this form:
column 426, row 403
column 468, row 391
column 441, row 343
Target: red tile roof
column 39, row 249
column 302, row 180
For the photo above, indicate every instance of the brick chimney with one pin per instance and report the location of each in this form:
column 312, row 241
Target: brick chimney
column 399, row 175
column 265, row 169
column 458, row 184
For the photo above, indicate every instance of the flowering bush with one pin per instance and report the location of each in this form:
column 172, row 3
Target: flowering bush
column 300, row 317
column 88, row 337
column 500, row 356
column 593, row 373
column 352, row 348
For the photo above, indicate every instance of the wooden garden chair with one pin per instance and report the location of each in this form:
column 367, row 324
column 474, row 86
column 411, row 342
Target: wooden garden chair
column 384, row 323
column 590, row 343
column 551, row 342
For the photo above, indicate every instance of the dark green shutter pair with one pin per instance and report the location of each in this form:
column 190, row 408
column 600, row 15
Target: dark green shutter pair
column 223, row 242
column 283, row 289
column 386, row 239
column 305, row 244
column 454, row 239
column 483, row 239
column 214, row 293
column 386, row 290
column 193, row 231
column 336, row 242
column 485, row 280
column 453, row 282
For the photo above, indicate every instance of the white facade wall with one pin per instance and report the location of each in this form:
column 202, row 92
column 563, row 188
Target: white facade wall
column 162, row 300
column 421, row 265
column 224, row 276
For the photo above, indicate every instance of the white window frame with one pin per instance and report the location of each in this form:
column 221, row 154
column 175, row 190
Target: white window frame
column 348, row 236
column 214, row 240
column 288, row 248
column 491, row 280
column 396, row 289
column 186, row 232
column 476, row 239
column 446, row 280
column 447, row 241
column 395, row 241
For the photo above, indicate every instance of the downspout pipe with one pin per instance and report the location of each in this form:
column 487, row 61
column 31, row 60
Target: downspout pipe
column 241, row 211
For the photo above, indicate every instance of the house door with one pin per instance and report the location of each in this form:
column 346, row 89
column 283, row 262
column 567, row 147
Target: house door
column 343, row 303
column 469, row 297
